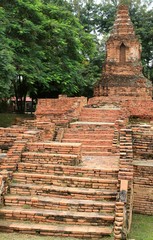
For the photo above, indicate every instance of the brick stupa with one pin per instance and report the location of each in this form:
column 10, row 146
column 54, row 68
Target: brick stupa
column 122, row 70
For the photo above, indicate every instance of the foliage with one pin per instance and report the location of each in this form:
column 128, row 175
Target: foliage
column 49, row 47
column 22, row 31
column 6, row 59
column 72, row 46
column 143, row 22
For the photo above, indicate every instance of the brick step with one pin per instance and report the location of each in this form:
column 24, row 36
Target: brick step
column 56, row 111
column 55, row 230
column 54, row 147
column 97, row 119
column 56, row 120
column 95, row 153
column 108, row 111
column 14, row 128
column 71, row 134
column 2, row 155
column 9, row 131
column 100, row 111
column 8, row 167
column 7, row 163
column 65, row 159
column 8, row 160
column 8, row 141
column 59, row 204
column 7, row 138
column 63, row 192
column 55, row 216
column 92, row 125
column 65, row 181
column 100, row 114
column 89, row 141
column 91, row 131
column 95, row 148
column 68, row 170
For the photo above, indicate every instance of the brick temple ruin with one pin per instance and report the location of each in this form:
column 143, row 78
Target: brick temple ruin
column 122, row 72
column 80, row 170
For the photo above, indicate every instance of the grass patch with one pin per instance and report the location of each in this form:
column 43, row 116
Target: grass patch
column 8, row 119
column 142, row 227
column 17, row 236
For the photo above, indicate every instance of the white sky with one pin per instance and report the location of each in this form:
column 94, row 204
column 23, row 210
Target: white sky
column 99, row 1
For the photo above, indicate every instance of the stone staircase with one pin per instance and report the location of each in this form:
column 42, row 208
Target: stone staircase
column 63, row 188
column 54, row 193
column 99, row 114
column 95, row 130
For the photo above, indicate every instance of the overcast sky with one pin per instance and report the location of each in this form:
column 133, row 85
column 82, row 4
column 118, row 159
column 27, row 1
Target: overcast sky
column 99, row 1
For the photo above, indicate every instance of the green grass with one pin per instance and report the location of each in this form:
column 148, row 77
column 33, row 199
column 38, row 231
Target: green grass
column 142, row 227
column 7, row 119
column 17, row 236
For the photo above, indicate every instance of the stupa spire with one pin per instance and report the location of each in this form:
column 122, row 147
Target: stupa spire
column 122, row 70
column 123, row 46
column 123, row 25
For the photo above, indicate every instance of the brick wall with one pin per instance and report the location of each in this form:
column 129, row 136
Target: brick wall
column 142, row 141
column 45, row 129
column 143, row 168
column 140, row 108
column 9, row 135
column 124, row 91
column 143, row 188
column 61, row 110
column 126, row 155
column 123, row 210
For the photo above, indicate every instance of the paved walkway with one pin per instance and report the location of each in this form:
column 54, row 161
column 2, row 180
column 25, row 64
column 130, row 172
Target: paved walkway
column 100, row 162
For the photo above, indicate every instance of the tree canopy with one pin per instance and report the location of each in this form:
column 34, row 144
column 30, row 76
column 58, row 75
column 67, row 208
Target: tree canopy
column 50, row 47
column 42, row 50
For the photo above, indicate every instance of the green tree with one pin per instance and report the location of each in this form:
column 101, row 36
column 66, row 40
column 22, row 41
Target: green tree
column 142, row 18
column 22, row 31
column 69, row 46
column 49, row 46
column 7, row 71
